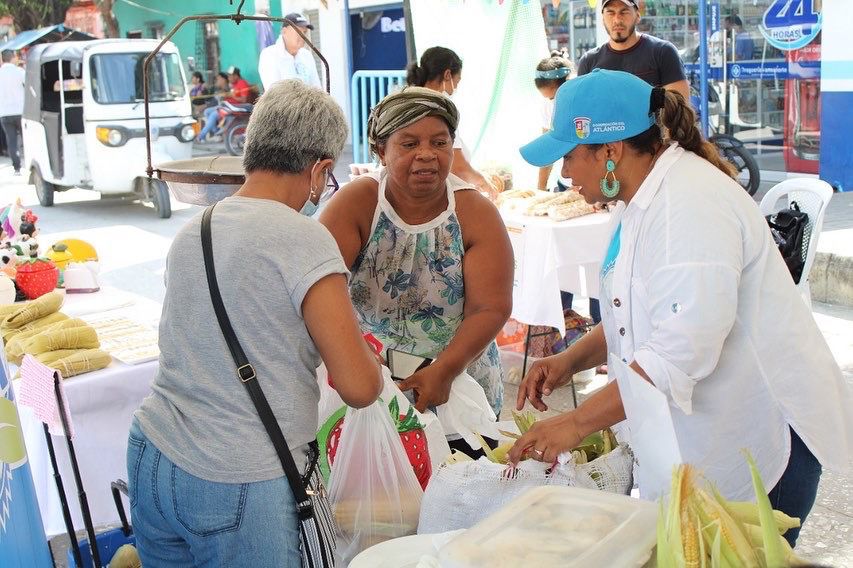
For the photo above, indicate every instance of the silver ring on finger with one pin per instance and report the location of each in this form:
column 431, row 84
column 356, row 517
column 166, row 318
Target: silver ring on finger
column 539, row 453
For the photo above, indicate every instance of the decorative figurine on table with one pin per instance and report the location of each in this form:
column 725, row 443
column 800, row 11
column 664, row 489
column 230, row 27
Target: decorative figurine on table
column 27, row 233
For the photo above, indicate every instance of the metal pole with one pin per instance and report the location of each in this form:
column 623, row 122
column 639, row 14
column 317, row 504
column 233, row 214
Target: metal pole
column 75, row 469
column 237, row 18
column 63, row 498
column 411, row 52
column 703, row 68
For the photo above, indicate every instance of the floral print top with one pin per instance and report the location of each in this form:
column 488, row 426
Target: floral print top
column 408, row 290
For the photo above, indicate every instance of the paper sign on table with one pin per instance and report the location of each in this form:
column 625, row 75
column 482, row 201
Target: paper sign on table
column 653, row 438
column 37, row 392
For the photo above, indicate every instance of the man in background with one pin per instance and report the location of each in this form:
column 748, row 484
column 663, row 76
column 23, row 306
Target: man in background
column 653, row 60
column 288, row 58
column 12, row 105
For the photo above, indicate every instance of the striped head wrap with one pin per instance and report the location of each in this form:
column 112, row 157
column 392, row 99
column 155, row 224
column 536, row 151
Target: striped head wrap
column 406, row 107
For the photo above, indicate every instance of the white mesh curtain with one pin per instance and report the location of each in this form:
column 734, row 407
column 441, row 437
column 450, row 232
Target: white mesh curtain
column 500, row 44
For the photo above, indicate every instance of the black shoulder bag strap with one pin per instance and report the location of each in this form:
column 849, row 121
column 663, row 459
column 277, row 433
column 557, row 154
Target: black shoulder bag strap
column 246, row 374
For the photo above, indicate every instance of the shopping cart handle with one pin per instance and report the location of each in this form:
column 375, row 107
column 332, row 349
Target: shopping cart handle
column 118, row 487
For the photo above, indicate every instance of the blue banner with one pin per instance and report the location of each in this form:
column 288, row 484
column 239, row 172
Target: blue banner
column 753, row 70
column 715, row 16
column 23, row 543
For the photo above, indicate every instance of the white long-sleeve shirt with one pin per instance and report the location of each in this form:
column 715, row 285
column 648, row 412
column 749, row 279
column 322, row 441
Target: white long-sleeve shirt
column 701, row 299
column 277, row 64
column 11, row 90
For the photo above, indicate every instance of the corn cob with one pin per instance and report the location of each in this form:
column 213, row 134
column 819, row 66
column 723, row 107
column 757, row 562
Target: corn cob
column 734, row 546
column 84, row 337
column 31, row 311
column 747, row 513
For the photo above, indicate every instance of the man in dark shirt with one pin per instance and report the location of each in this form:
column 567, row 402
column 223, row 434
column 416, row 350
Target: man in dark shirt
column 651, row 59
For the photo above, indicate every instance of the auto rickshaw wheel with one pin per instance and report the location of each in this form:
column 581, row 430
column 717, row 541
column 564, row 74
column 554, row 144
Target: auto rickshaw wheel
column 44, row 189
column 159, row 194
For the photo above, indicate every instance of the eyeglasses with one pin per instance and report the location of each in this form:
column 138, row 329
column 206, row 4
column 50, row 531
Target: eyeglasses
column 330, row 189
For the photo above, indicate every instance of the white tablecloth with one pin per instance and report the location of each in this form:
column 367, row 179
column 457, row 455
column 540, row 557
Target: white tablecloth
column 551, row 256
column 102, row 405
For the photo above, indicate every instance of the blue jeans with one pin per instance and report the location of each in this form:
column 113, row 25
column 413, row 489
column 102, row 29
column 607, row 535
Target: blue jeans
column 182, row 520
column 795, row 493
column 211, row 119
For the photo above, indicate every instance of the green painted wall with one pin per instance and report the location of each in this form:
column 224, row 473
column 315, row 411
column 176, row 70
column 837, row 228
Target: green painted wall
column 238, row 45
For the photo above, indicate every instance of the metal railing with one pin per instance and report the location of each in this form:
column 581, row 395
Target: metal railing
column 367, row 89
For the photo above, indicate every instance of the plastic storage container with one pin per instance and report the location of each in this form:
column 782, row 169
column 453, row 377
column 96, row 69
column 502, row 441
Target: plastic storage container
column 559, row 526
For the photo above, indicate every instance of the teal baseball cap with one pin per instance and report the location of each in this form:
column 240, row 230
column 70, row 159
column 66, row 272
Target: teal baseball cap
column 599, row 107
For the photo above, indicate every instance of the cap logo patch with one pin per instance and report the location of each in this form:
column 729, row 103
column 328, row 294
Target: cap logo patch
column 582, row 127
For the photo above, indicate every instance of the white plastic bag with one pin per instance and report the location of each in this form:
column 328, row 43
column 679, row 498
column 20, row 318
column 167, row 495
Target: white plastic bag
column 332, row 410
column 374, row 493
column 467, row 412
column 463, row 493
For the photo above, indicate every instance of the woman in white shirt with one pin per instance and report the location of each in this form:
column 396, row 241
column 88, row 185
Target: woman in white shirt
column 695, row 297
column 440, row 70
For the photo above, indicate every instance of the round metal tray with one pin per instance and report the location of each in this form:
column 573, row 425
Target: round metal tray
column 204, row 180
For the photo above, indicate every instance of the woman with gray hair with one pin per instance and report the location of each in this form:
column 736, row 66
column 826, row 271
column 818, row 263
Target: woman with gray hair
column 206, row 486
column 430, row 257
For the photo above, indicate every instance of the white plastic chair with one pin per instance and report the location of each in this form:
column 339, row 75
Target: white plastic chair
column 812, row 196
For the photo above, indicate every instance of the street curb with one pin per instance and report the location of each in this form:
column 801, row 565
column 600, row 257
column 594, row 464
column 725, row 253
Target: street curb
column 831, row 279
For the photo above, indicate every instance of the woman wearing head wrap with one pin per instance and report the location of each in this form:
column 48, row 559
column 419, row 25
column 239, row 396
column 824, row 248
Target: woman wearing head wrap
column 430, row 257
column 550, row 75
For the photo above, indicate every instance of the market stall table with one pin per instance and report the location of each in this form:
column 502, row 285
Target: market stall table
column 551, row 256
column 101, row 404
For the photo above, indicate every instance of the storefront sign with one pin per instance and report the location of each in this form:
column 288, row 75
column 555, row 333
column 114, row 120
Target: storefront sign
column 790, row 24
column 715, row 16
column 755, row 70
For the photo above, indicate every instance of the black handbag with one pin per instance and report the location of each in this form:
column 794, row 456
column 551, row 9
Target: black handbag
column 316, row 522
column 788, row 228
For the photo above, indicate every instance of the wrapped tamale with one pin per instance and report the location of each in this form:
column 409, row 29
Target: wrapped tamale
column 36, row 309
column 83, row 337
column 15, row 347
column 82, row 362
column 36, row 326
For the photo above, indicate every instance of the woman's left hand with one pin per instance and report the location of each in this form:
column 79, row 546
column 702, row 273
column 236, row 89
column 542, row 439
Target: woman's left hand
column 431, row 385
column 547, row 439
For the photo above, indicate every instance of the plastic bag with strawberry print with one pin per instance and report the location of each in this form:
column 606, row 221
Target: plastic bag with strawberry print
column 373, row 490
column 421, row 434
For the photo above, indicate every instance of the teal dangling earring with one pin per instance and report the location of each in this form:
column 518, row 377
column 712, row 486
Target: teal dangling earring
column 610, row 187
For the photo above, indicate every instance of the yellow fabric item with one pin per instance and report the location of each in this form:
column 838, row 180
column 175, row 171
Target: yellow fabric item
column 33, row 327
column 31, row 311
column 83, row 337
column 15, row 348
column 82, row 362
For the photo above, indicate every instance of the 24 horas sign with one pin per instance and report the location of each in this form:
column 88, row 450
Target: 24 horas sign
column 791, row 24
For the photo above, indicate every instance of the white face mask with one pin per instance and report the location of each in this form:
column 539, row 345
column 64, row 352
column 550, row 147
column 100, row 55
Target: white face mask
column 452, row 85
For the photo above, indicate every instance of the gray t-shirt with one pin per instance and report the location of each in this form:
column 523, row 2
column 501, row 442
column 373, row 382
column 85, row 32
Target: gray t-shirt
column 199, row 415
